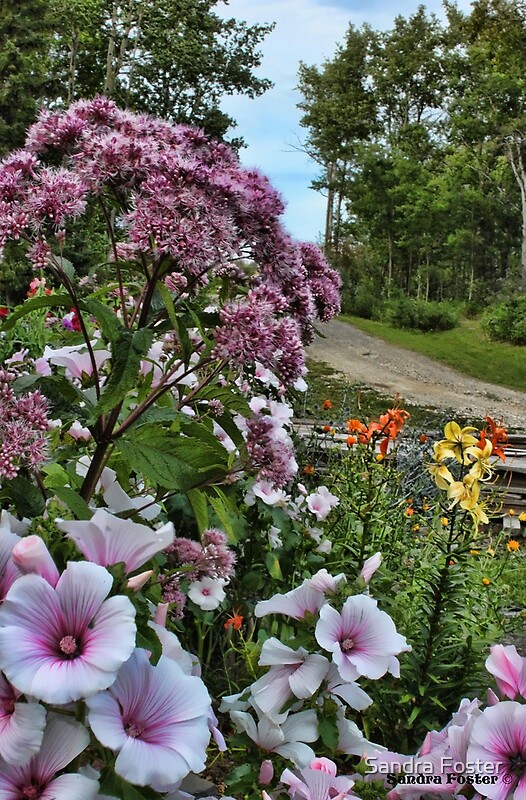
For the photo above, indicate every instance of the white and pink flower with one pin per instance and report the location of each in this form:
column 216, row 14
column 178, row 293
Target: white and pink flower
column 321, row 502
column 40, row 777
column 509, row 670
column 362, row 639
column 156, row 719
column 207, row 593
column 65, row 643
column 106, row 539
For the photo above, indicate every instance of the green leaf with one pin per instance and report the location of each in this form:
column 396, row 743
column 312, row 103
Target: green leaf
column 126, row 352
column 66, row 266
column 26, row 497
column 328, row 731
column 113, row 785
column 62, row 395
column 148, row 640
column 74, row 502
column 166, row 297
column 273, row 566
column 166, row 458
column 55, row 476
column 109, row 323
column 200, row 507
column 34, row 304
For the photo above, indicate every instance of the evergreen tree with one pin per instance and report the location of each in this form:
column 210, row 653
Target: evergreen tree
column 25, row 39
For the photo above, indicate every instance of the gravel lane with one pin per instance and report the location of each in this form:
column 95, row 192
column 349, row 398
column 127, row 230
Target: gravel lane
column 417, row 379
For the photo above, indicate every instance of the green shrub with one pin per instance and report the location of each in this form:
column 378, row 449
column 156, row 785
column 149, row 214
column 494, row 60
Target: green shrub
column 506, row 322
column 362, row 299
column 404, row 312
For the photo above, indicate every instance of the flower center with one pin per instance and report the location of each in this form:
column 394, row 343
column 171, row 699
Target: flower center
column 68, row 645
column 133, row 730
column 518, row 764
column 31, row 792
column 347, row 644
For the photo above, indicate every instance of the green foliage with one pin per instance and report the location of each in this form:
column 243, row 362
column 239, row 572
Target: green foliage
column 420, row 316
column 506, row 322
column 26, row 30
column 172, row 59
column 425, row 176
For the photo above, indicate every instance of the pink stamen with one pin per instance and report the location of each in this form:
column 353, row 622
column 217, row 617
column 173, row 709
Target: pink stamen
column 133, row 730
column 68, row 645
column 30, row 792
column 347, row 645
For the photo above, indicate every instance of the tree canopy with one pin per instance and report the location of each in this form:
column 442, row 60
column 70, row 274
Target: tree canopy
column 426, row 184
column 171, row 58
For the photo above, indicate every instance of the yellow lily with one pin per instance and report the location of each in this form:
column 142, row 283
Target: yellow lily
column 481, row 469
column 456, row 443
column 441, row 475
column 465, row 492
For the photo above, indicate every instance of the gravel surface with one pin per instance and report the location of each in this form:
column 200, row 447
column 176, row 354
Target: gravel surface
column 391, row 370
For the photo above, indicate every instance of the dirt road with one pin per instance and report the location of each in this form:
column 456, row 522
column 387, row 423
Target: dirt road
column 419, row 380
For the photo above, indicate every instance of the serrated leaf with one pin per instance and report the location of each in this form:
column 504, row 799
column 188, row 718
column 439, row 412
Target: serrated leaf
column 26, row 497
column 66, row 266
column 109, row 323
column 74, row 502
column 167, row 459
column 126, row 353
column 200, row 508
column 34, row 304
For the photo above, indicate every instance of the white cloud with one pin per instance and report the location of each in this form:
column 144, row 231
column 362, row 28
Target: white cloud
column 309, row 31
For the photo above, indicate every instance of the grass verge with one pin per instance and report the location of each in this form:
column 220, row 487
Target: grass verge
column 465, row 348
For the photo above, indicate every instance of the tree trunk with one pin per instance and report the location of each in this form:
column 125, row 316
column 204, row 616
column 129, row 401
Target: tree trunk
column 329, row 216
column 73, row 56
column 517, row 164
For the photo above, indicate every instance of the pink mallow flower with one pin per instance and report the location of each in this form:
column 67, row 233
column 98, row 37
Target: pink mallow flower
column 63, row 741
column 106, row 539
column 318, row 781
column 309, row 597
column 292, row 673
column 509, row 670
column 287, row 739
column 321, row 502
column 362, row 639
column 498, row 739
column 21, row 725
column 156, row 719
column 65, row 643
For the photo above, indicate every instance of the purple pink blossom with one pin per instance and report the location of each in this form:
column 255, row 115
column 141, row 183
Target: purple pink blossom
column 156, row 719
column 65, row 643
column 23, row 424
column 363, row 640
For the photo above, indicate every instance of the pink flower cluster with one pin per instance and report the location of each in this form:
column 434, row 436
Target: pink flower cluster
column 187, row 207
column 207, row 564
column 71, row 636
column 23, row 423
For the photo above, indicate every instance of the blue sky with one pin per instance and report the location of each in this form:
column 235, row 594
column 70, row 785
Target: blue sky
column 306, row 30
